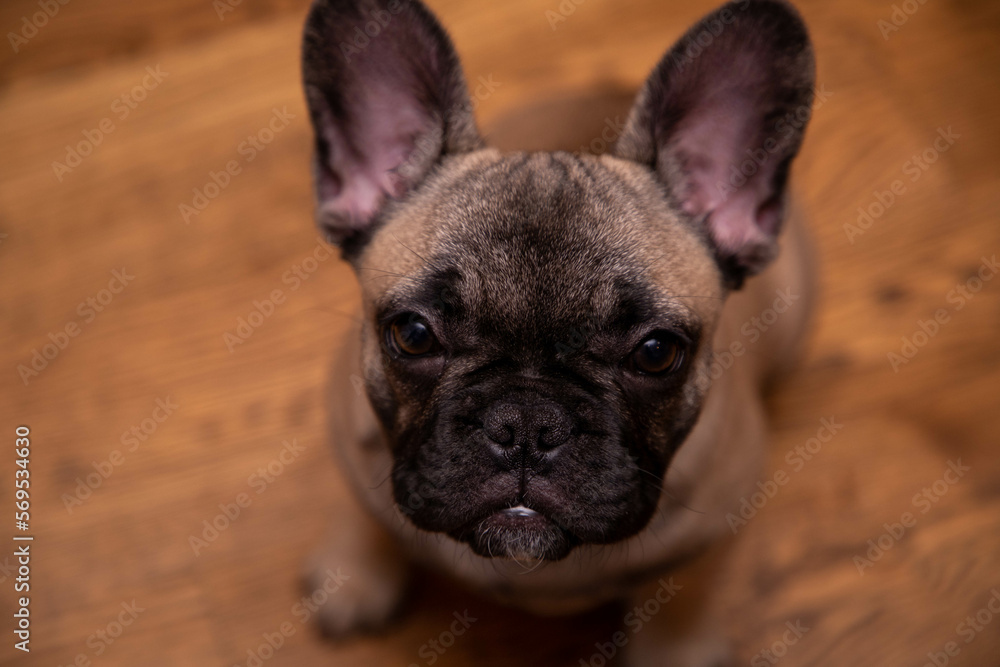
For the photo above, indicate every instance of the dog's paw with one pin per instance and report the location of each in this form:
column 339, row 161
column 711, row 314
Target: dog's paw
column 354, row 596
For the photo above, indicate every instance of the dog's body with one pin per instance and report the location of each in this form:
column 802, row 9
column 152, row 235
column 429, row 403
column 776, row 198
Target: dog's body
column 543, row 416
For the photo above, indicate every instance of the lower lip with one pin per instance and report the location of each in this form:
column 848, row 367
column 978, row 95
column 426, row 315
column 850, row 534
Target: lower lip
column 506, row 532
column 519, row 518
column 520, row 511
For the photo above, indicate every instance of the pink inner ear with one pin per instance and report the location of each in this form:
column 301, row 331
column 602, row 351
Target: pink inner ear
column 712, row 139
column 707, row 140
column 386, row 126
column 736, row 226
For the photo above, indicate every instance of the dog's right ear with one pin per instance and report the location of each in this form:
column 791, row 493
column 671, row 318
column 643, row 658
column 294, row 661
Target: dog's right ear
column 387, row 100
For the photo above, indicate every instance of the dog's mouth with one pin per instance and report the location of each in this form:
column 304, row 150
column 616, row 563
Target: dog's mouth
column 518, row 533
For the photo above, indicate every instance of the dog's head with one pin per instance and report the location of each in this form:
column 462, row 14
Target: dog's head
column 535, row 324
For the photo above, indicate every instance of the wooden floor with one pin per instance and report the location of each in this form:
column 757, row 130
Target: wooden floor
column 162, row 336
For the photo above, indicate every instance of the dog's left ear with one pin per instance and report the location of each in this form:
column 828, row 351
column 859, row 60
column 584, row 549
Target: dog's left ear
column 387, row 99
column 719, row 121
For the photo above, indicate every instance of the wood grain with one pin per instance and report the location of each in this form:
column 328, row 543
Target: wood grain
column 162, row 336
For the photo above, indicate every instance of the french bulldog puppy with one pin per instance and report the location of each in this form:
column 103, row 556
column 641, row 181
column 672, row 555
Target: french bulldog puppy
column 543, row 415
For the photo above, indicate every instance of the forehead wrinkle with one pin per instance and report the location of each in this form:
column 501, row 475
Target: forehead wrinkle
column 528, row 225
column 405, row 290
column 546, row 209
column 540, row 240
column 419, row 223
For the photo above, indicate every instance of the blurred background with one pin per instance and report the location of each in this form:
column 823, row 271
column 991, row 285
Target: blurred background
column 154, row 196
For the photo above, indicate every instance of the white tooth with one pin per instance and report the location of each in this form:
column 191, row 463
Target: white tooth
column 521, row 510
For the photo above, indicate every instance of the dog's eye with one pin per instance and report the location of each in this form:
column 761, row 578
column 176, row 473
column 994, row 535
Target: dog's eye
column 411, row 335
column 660, row 353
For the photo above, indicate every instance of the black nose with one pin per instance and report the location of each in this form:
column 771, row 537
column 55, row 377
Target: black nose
column 535, row 427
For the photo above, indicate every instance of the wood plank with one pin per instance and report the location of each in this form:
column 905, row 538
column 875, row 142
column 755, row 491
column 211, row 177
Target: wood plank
column 162, row 336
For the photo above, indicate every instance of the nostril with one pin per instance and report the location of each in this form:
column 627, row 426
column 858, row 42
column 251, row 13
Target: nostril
column 553, row 435
column 539, row 426
column 502, row 424
column 503, row 435
column 552, row 425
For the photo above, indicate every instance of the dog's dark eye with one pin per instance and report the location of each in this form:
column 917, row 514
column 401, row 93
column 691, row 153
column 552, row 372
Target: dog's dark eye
column 658, row 354
column 411, row 335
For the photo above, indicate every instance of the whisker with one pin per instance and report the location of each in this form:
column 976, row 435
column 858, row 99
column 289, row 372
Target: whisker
column 694, row 296
column 422, row 258
column 672, row 496
column 662, row 488
column 391, row 273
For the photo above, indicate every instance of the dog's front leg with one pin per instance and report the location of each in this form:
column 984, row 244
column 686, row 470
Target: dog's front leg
column 357, row 579
column 670, row 622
